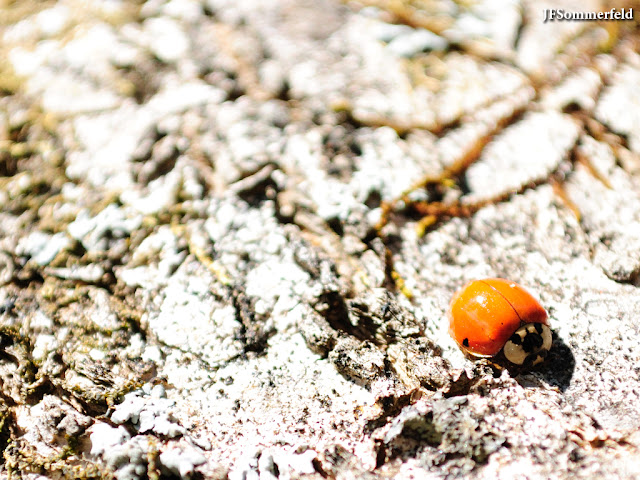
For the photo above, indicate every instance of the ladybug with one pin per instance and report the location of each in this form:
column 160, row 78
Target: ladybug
column 497, row 318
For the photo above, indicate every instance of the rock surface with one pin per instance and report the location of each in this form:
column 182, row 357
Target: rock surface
column 192, row 284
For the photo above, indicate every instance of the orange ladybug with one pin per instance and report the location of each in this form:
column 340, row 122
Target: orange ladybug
column 493, row 316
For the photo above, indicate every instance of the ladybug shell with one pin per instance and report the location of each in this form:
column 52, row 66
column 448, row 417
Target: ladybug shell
column 485, row 313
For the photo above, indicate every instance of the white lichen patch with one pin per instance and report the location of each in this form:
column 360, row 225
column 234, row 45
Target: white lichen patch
column 527, row 151
column 579, row 89
column 43, row 248
column 95, row 232
column 290, row 395
column 192, row 319
column 620, row 102
column 610, row 210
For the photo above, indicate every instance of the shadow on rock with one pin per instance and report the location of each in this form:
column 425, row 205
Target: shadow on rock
column 558, row 369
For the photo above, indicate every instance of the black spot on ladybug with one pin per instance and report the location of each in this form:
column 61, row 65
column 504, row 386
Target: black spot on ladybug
column 538, row 328
column 465, row 342
column 515, row 338
column 531, row 342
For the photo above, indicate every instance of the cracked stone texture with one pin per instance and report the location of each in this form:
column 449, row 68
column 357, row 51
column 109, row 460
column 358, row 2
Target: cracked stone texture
column 191, row 281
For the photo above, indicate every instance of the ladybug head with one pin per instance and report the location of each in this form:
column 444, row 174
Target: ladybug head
column 528, row 345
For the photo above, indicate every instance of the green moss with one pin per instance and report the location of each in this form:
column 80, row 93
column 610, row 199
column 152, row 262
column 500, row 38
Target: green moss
column 22, row 459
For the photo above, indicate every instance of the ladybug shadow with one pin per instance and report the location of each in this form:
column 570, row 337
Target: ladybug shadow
column 557, row 370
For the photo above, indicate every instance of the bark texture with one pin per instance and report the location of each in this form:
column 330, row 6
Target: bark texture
column 230, row 231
